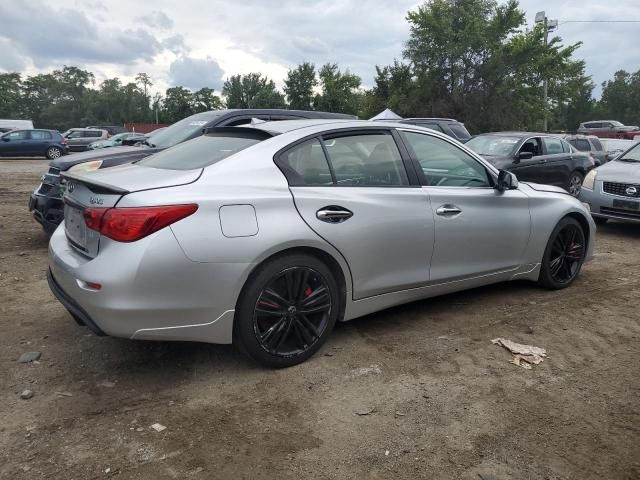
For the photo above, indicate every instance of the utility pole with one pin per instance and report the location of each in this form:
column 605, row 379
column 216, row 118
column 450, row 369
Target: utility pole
column 549, row 25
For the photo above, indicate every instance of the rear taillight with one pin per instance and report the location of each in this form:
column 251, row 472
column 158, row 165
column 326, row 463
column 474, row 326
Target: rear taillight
column 133, row 223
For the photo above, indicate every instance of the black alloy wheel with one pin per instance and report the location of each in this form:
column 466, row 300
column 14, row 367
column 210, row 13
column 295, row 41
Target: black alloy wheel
column 287, row 310
column 564, row 255
column 292, row 311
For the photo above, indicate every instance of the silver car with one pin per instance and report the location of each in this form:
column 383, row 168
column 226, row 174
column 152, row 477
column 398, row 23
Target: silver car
column 265, row 235
column 613, row 190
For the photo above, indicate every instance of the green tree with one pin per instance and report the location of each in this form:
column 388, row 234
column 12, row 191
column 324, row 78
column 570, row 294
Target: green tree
column 621, row 98
column 204, row 100
column 395, row 89
column 177, row 104
column 298, row 86
column 339, row 90
column 10, row 95
column 251, row 91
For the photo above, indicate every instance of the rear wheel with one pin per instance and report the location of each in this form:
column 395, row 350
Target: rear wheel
column 575, row 183
column 53, row 152
column 564, row 255
column 287, row 310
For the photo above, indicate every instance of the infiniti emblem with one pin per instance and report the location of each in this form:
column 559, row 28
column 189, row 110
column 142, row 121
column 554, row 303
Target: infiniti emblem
column 70, row 187
column 631, row 190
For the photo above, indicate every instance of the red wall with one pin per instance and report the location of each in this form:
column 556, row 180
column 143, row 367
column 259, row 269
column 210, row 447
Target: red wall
column 144, row 127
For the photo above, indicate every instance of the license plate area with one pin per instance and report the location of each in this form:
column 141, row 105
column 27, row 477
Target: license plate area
column 75, row 227
column 626, row 205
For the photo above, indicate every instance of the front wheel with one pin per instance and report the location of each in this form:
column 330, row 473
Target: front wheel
column 53, row 152
column 564, row 255
column 287, row 310
column 575, row 183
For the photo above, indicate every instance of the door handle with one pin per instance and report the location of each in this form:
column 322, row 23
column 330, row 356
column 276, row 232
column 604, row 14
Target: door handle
column 448, row 210
column 334, row 214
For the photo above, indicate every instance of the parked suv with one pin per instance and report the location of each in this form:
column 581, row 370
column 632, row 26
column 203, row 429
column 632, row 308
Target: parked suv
column 46, row 200
column 33, row 143
column 589, row 144
column 448, row 126
column 79, row 138
column 111, row 129
column 609, row 129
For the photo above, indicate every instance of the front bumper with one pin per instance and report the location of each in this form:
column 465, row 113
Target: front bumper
column 149, row 289
column 601, row 204
column 47, row 210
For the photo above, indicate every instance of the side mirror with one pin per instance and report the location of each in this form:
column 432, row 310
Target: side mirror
column 506, row 181
column 524, row 156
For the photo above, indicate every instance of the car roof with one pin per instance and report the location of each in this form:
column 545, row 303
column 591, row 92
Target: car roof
column 431, row 119
column 518, row 134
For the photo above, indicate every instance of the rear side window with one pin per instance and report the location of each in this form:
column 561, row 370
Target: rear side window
column 40, row 135
column 362, row 160
column 305, row 164
column 597, row 145
column 581, row 144
column 92, row 134
column 552, row 145
column 203, row 151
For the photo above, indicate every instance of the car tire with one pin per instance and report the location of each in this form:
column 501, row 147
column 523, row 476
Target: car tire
column 53, row 152
column 564, row 255
column 275, row 322
column 575, row 183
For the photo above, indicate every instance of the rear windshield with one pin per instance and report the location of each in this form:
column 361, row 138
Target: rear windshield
column 203, row 151
column 460, row 132
column 183, row 130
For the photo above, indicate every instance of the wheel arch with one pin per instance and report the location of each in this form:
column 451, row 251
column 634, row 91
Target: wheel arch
column 584, row 223
column 342, row 276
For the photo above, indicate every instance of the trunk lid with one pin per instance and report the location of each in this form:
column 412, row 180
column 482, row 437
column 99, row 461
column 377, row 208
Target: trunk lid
column 104, row 189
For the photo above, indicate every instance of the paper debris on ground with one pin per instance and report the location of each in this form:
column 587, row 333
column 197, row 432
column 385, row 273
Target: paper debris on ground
column 157, row 427
column 524, row 355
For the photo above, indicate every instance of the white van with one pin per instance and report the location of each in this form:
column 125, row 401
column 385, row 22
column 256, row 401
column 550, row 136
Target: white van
column 6, row 125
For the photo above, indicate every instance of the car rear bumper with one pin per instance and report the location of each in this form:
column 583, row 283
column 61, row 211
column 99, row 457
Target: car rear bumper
column 602, row 204
column 149, row 289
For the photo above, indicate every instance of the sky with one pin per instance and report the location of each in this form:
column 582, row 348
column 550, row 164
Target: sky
column 198, row 43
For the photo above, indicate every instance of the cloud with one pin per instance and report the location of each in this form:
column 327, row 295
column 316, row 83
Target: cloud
column 195, row 73
column 156, row 19
column 9, row 59
column 175, row 44
column 50, row 37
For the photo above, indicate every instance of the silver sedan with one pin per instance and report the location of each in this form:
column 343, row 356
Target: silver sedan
column 613, row 189
column 265, row 235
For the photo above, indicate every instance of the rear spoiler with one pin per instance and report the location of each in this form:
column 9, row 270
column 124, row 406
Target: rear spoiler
column 102, row 187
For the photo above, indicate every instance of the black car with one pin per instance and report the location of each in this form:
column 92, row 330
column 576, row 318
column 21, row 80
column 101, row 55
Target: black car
column 535, row 157
column 33, row 143
column 111, row 129
column 448, row 126
column 46, row 201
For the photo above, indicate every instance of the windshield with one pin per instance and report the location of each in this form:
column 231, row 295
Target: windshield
column 203, row 151
column 182, row 130
column 632, row 155
column 492, row 145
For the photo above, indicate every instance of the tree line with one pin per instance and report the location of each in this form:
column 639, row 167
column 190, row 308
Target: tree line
column 473, row 60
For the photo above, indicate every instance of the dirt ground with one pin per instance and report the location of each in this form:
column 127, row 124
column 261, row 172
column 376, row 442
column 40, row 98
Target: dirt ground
column 417, row 391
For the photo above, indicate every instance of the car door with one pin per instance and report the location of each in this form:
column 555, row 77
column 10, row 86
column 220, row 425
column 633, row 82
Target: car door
column 529, row 169
column 38, row 142
column 478, row 230
column 15, row 143
column 557, row 162
column 353, row 189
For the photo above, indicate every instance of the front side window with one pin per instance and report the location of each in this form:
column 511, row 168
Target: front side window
column 21, row 135
column 533, row 146
column 444, row 164
column 460, row 132
column 552, row 145
column 305, row 164
column 597, row 145
column 366, row 160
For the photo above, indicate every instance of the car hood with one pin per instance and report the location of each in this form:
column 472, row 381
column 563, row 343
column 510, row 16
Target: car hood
column 133, row 178
column 617, row 171
column 121, row 154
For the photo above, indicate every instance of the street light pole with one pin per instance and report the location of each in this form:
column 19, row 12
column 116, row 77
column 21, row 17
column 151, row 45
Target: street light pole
column 544, row 81
column 549, row 25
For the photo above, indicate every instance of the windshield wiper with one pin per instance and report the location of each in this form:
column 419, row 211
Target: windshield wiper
column 628, row 160
column 146, row 142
